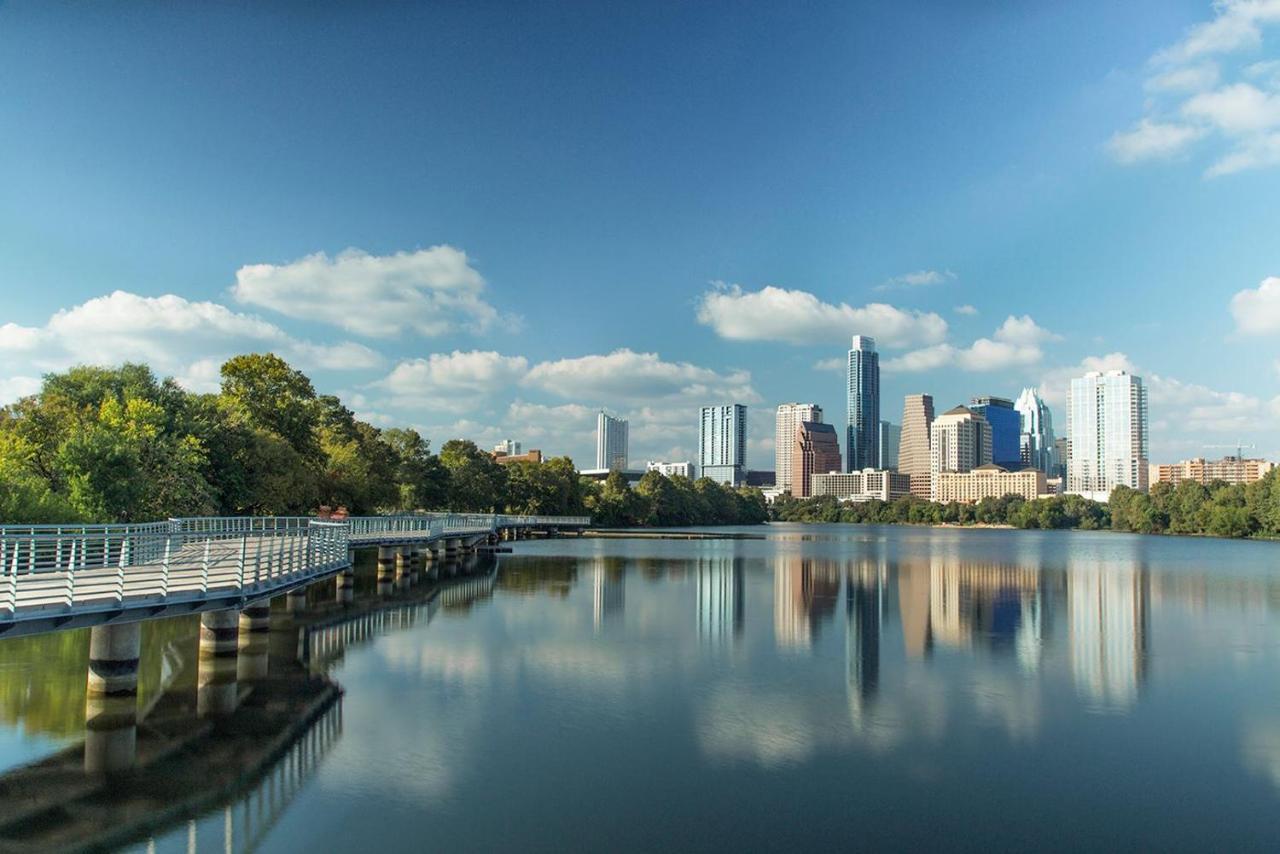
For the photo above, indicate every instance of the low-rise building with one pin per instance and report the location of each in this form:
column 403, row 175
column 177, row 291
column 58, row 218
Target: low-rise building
column 680, row 469
column 864, row 485
column 532, row 456
column 988, row 481
column 1200, row 470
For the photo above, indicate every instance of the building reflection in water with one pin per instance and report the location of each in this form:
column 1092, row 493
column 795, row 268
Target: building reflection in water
column 999, row 607
column 720, row 609
column 864, row 611
column 804, row 595
column 1107, row 609
column 609, row 592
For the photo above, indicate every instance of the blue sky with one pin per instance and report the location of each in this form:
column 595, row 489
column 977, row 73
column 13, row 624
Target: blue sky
column 489, row 221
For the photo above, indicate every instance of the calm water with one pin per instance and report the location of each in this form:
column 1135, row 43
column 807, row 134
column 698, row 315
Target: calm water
column 829, row 686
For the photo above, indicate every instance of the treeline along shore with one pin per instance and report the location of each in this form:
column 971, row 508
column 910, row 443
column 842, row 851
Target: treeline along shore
column 116, row 444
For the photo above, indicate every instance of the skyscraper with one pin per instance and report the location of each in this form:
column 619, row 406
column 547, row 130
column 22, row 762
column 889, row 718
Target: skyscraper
column 790, row 415
column 1006, row 426
column 890, row 442
column 816, row 451
column 1036, row 443
column 611, row 442
column 913, row 449
column 960, row 440
column 722, row 443
column 1107, row 427
column 862, row 441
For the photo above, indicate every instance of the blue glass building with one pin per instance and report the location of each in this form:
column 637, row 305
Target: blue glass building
column 1006, row 429
column 862, row 436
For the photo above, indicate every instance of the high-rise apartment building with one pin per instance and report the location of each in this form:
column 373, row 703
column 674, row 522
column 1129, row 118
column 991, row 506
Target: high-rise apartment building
column 1037, row 447
column 890, row 444
column 816, row 451
column 959, row 441
column 1006, row 427
column 722, row 443
column 1107, row 426
column 790, row 416
column 862, row 436
column 913, row 449
column 611, row 442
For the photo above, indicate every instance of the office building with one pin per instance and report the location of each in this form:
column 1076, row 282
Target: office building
column 1062, row 455
column 1037, row 446
column 989, row 481
column 865, row 485
column 913, row 447
column 862, row 436
column 960, row 440
column 890, row 443
column 507, row 448
column 789, row 417
column 761, row 478
column 722, row 443
column 680, row 469
column 1200, row 470
column 611, row 442
column 1006, row 429
column 1107, row 427
column 815, row 449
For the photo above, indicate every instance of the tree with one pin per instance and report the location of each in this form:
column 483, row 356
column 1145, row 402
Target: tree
column 476, row 481
column 271, row 395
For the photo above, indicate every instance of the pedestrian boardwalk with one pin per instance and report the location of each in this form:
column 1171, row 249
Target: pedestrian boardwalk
column 54, row 577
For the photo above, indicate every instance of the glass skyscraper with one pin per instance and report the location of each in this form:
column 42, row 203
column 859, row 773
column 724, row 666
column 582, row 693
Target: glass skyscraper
column 862, row 436
column 722, row 443
column 1006, row 429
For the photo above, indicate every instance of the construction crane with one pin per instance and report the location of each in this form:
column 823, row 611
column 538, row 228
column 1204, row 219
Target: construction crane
column 1240, row 448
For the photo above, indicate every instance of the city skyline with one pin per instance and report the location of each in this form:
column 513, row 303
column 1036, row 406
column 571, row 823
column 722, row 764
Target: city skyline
column 449, row 291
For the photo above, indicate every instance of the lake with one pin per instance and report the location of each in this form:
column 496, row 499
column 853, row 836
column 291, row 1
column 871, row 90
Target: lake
column 827, row 686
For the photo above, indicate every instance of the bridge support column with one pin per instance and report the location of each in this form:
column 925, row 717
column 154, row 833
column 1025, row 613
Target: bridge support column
column 452, row 547
column 386, row 569
column 111, row 703
column 295, row 600
column 404, row 558
column 216, row 689
column 345, row 585
column 254, row 642
column 415, row 564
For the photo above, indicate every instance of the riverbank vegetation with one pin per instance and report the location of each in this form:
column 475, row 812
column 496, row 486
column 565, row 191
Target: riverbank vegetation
column 100, row 444
column 1219, row 509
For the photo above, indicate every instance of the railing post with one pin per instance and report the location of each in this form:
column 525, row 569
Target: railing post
column 13, row 578
column 244, row 546
column 164, row 587
column 204, row 568
column 124, row 550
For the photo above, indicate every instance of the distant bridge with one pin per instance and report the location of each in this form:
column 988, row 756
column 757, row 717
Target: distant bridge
column 63, row 576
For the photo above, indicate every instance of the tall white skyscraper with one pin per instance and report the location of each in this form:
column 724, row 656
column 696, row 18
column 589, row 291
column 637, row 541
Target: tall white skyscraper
column 790, row 416
column 960, row 441
column 862, row 436
column 1107, row 426
column 1036, row 443
column 722, row 443
column 611, row 442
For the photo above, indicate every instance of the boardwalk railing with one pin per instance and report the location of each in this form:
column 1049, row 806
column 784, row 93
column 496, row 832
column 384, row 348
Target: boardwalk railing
column 59, row 571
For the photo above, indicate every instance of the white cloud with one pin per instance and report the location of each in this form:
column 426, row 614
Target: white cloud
column 966, row 310
column 1055, row 383
column 1150, row 140
column 1016, row 344
column 14, row 388
column 916, row 278
column 427, row 292
column 799, row 317
column 452, row 381
column 625, row 375
column 1257, row 311
column 1238, row 109
column 170, row 333
column 1191, row 78
column 1256, row 153
column 833, row 364
column 1235, row 26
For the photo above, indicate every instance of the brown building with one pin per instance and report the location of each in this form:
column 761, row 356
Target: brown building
column 989, row 481
column 913, row 452
column 816, row 451
column 534, row 456
column 1200, row 470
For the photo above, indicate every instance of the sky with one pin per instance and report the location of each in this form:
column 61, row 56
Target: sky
column 490, row 220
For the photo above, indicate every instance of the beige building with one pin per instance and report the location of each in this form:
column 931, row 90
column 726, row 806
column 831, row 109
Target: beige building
column 959, row 441
column 789, row 418
column 913, row 448
column 1200, row 470
column 988, row 481
column 865, row 485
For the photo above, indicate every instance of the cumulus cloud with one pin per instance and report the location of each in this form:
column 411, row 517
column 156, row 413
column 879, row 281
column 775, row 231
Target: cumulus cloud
column 799, row 317
column 1149, row 140
column 427, row 292
column 170, row 333
column 916, row 278
column 832, row 364
column 1244, row 113
column 1257, row 311
column 1015, row 344
column 13, row 388
column 966, row 310
column 452, row 381
column 626, row 375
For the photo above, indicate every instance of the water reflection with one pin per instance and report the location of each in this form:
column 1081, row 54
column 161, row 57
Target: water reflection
column 805, row 591
column 720, row 600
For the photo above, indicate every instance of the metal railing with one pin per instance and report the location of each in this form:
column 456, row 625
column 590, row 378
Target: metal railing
column 59, row 569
